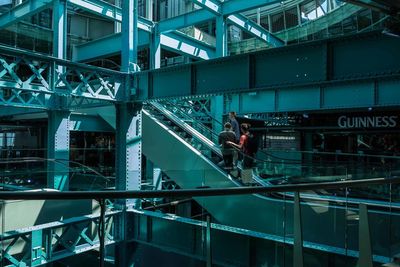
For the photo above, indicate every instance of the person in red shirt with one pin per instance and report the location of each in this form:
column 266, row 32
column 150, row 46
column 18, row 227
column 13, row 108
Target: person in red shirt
column 248, row 155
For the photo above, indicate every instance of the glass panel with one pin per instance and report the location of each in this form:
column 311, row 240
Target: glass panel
column 291, row 17
column 278, row 22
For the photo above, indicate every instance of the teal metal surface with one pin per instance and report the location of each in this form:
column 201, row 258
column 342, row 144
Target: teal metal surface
column 58, row 149
column 106, row 46
column 299, row 77
column 59, row 29
column 185, row 45
column 107, row 10
column 63, row 79
column 23, row 10
column 53, row 241
column 256, row 30
column 221, row 36
column 298, row 259
column 203, row 15
column 211, row 5
column 364, row 238
column 129, row 39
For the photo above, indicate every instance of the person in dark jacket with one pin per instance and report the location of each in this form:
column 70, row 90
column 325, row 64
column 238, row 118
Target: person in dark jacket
column 235, row 126
column 224, row 138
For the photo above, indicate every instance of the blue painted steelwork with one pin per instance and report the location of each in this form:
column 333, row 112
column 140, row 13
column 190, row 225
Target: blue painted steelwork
column 48, row 76
column 50, row 242
column 129, row 31
column 183, row 44
column 59, row 30
column 106, row 46
column 203, row 15
column 309, row 76
column 155, row 49
column 110, row 11
column 221, row 38
column 173, row 41
column 256, row 30
column 58, row 149
column 210, row 5
column 23, row 10
column 239, row 20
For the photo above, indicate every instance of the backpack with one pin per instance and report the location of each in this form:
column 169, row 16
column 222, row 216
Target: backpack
column 252, row 143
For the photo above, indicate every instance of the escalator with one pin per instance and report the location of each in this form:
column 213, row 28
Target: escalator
column 187, row 155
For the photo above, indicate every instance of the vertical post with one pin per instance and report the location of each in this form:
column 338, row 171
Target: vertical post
column 36, row 247
column 297, row 231
column 364, row 238
column 58, row 149
column 117, row 24
column 129, row 38
column 128, row 169
column 149, row 9
column 59, row 29
column 155, row 49
column 208, row 242
column 217, row 112
column 128, row 147
column 221, row 37
column 101, row 230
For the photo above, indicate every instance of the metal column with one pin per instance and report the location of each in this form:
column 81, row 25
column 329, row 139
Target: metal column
column 129, row 36
column 217, row 112
column 58, row 149
column 59, row 28
column 128, row 170
column 221, row 37
column 155, row 49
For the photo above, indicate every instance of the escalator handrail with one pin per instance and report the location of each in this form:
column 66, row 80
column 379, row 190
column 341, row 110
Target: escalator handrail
column 216, row 149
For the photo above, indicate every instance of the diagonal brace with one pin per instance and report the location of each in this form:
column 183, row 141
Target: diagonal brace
column 256, row 30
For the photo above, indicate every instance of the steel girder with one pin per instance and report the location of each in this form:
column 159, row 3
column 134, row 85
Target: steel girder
column 109, row 11
column 321, row 71
column 181, row 43
column 50, row 242
column 30, row 80
column 385, row 6
column 256, row 30
column 174, row 41
column 203, row 15
column 242, row 22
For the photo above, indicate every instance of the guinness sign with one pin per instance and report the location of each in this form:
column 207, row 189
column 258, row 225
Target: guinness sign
column 367, row 122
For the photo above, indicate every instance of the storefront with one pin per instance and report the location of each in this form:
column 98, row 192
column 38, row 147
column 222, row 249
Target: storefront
column 348, row 132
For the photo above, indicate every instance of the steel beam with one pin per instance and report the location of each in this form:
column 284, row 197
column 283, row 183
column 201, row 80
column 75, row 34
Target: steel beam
column 185, row 45
column 173, row 41
column 241, row 21
column 256, row 30
column 23, row 10
column 109, row 11
column 104, row 47
column 320, row 70
column 210, row 5
column 203, row 15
